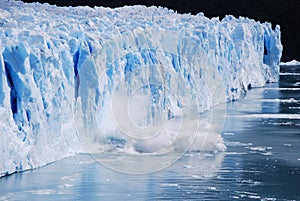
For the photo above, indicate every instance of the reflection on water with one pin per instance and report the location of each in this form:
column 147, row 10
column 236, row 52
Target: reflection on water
column 80, row 178
column 262, row 161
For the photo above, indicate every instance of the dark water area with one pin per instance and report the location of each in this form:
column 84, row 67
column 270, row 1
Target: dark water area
column 262, row 160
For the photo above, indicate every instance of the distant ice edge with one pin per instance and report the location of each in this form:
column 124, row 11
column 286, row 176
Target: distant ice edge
column 45, row 50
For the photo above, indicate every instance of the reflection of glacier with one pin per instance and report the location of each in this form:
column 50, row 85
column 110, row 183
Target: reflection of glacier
column 79, row 178
column 52, row 58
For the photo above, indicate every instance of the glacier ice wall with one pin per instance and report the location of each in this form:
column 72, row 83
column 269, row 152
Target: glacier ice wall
column 53, row 59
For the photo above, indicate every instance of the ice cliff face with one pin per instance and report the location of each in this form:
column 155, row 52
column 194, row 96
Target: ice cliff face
column 57, row 62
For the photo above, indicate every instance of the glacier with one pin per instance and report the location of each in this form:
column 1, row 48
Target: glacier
column 73, row 76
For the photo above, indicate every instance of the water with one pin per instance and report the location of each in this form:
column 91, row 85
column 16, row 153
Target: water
column 262, row 161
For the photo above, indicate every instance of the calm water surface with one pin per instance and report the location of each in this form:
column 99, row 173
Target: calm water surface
column 262, row 161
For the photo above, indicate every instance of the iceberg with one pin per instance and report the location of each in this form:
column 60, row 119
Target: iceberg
column 78, row 79
column 290, row 63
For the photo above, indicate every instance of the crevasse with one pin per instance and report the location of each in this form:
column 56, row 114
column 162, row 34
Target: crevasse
column 58, row 60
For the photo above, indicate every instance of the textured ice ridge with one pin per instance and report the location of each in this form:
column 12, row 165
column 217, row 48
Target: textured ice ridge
column 52, row 58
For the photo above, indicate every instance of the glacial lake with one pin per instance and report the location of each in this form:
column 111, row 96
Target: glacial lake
column 262, row 160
